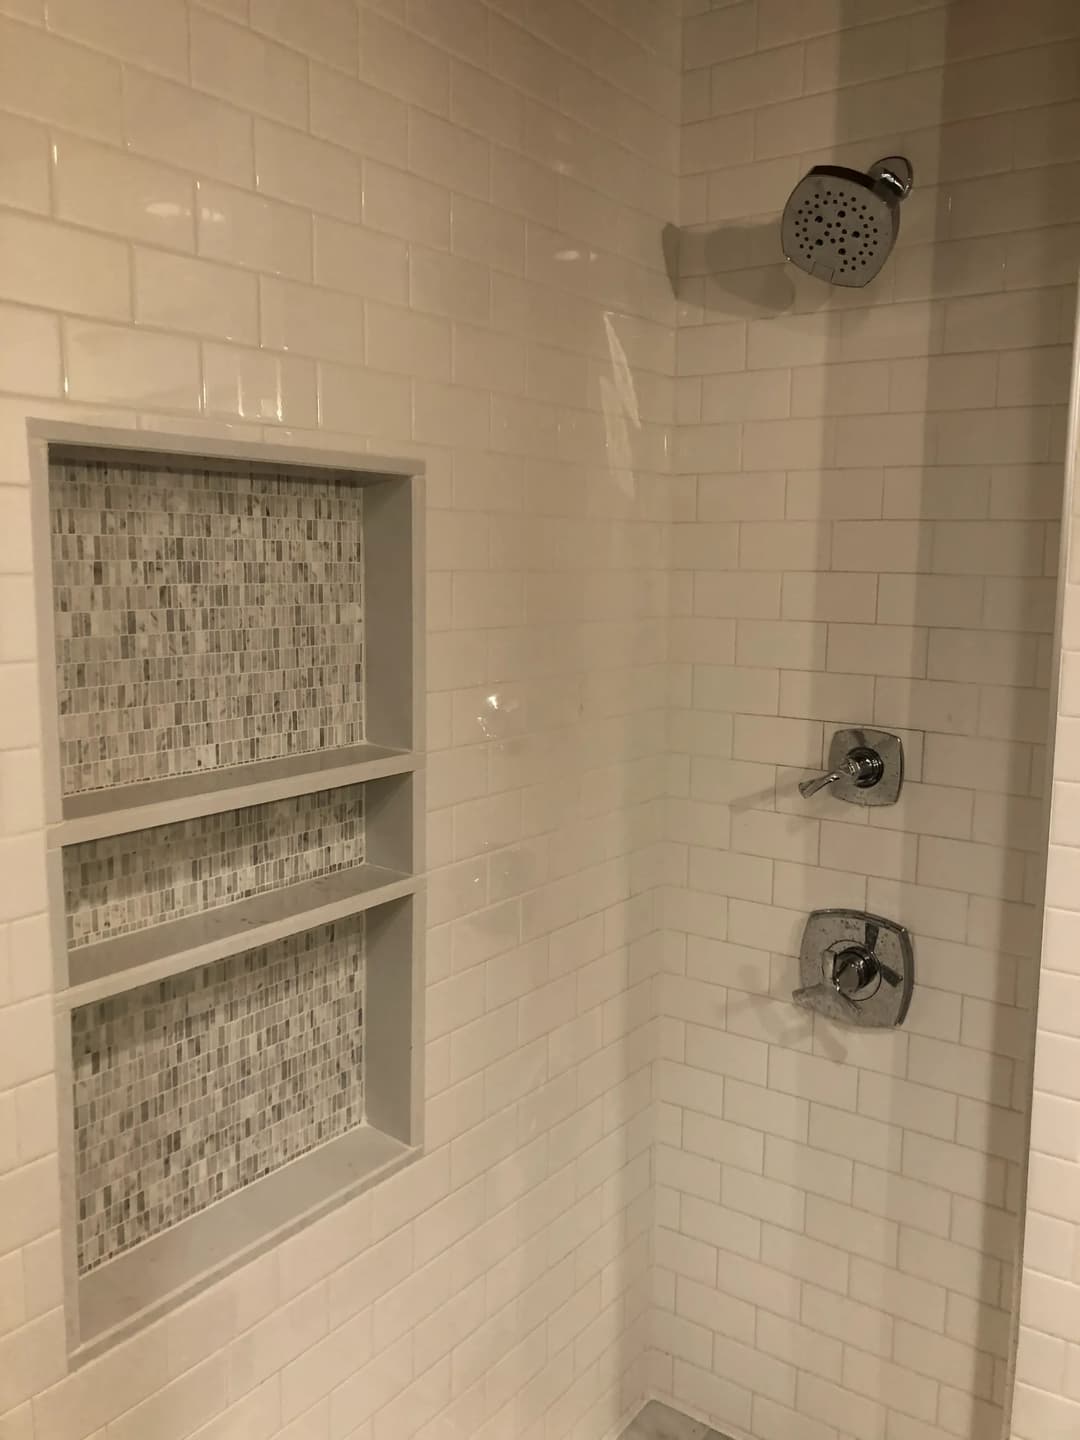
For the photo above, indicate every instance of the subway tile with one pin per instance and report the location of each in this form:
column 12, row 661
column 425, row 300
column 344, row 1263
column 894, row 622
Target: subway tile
column 954, row 600
column 720, row 35
column 864, row 852
column 1013, row 320
column 233, row 63
column 814, row 1171
column 252, row 231
column 929, row 809
column 489, row 235
column 48, row 78
column 742, row 82
column 107, row 190
column 942, row 1262
column 406, row 205
column 395, row 59
column 740, row 497
column 972, row 266
column 937, row 492
column 817, row 1079
column 123, row 366
column 943, row 382
column 448, row 154
column 407, row 342
column 326, row 29
column 360, row 261
column 872, row 1142
column 782, row 837
column 742, row 689
column 881, row 545
column 977, row 869
column 854, row 389
column 450, row 415
column 712, row 143
column 124, row 29
column 829, row 596
column 1020, row 492
column 195, row 132
column 445, row 285
column 787, row 644
column 788, row 545
column 981, row 657
column 897, row 650
column 484, row 103
column 60, row 267
column 24, row 164
column 737, row 595
column 305, row 171
column 253, row 385
column 30, row 361
column 751, row 395
column 908, row 1201
column 787, row 444
column 908, row 1296
column 921, row 909
column 867, row 1328
column 173, row 292
column 363, row 401
column 799, row 887
column 978, row 1074
column 324, row 324
column 358, row 117
column 859, row 439
column 939, row 705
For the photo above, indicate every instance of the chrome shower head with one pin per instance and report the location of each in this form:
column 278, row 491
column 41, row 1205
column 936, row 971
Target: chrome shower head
column 840, row 225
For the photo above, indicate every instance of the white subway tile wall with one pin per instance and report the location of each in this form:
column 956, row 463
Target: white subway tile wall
column 430, row 227
column 869, row 484
column 671, row 546
column 1047, row 1391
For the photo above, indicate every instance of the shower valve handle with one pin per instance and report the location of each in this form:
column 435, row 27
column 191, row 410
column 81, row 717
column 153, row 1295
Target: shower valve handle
column 863, row 766
column 811, row 996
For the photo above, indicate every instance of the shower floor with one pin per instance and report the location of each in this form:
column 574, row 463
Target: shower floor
column 660, row 1422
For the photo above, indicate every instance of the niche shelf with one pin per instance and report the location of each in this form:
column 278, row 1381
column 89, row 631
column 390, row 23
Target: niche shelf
column 159, row 802
column 232, row 687
column 131, row 961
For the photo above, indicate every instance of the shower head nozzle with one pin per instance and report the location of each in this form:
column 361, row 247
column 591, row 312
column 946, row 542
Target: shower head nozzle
column 840, row 225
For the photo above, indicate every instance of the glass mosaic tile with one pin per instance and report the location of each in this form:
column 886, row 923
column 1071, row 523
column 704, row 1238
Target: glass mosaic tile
column 126, row 883
column 187, row 1090
column 204, row 619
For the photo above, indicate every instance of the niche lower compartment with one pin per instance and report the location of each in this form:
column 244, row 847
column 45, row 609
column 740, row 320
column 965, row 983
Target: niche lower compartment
column 130, row 1292
column 186, row 1091
column 218, row 1111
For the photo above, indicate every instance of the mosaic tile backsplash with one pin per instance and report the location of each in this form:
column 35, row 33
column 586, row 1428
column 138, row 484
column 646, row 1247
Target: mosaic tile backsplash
column 204, row 619
column 129, row 882
column 187, row 1090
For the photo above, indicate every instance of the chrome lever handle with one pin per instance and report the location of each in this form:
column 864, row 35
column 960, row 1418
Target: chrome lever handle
column 819, row 782
column 863, row 766
column 807, row 994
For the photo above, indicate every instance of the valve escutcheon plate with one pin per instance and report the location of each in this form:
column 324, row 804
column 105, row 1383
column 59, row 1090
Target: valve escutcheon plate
column 833, row 937
column 883, row 743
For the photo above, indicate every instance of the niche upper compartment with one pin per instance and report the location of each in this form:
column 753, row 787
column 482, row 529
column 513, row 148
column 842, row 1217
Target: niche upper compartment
column 224, row 628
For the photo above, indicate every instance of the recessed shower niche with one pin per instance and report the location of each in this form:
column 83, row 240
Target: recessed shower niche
column 230, row 641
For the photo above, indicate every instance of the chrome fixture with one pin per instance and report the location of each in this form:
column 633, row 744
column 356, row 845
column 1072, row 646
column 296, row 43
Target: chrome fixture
column 840, row 225
column 856, row 968
column 866, row 767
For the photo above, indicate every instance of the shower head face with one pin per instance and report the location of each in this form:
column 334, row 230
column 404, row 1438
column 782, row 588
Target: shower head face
column 841, row 225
